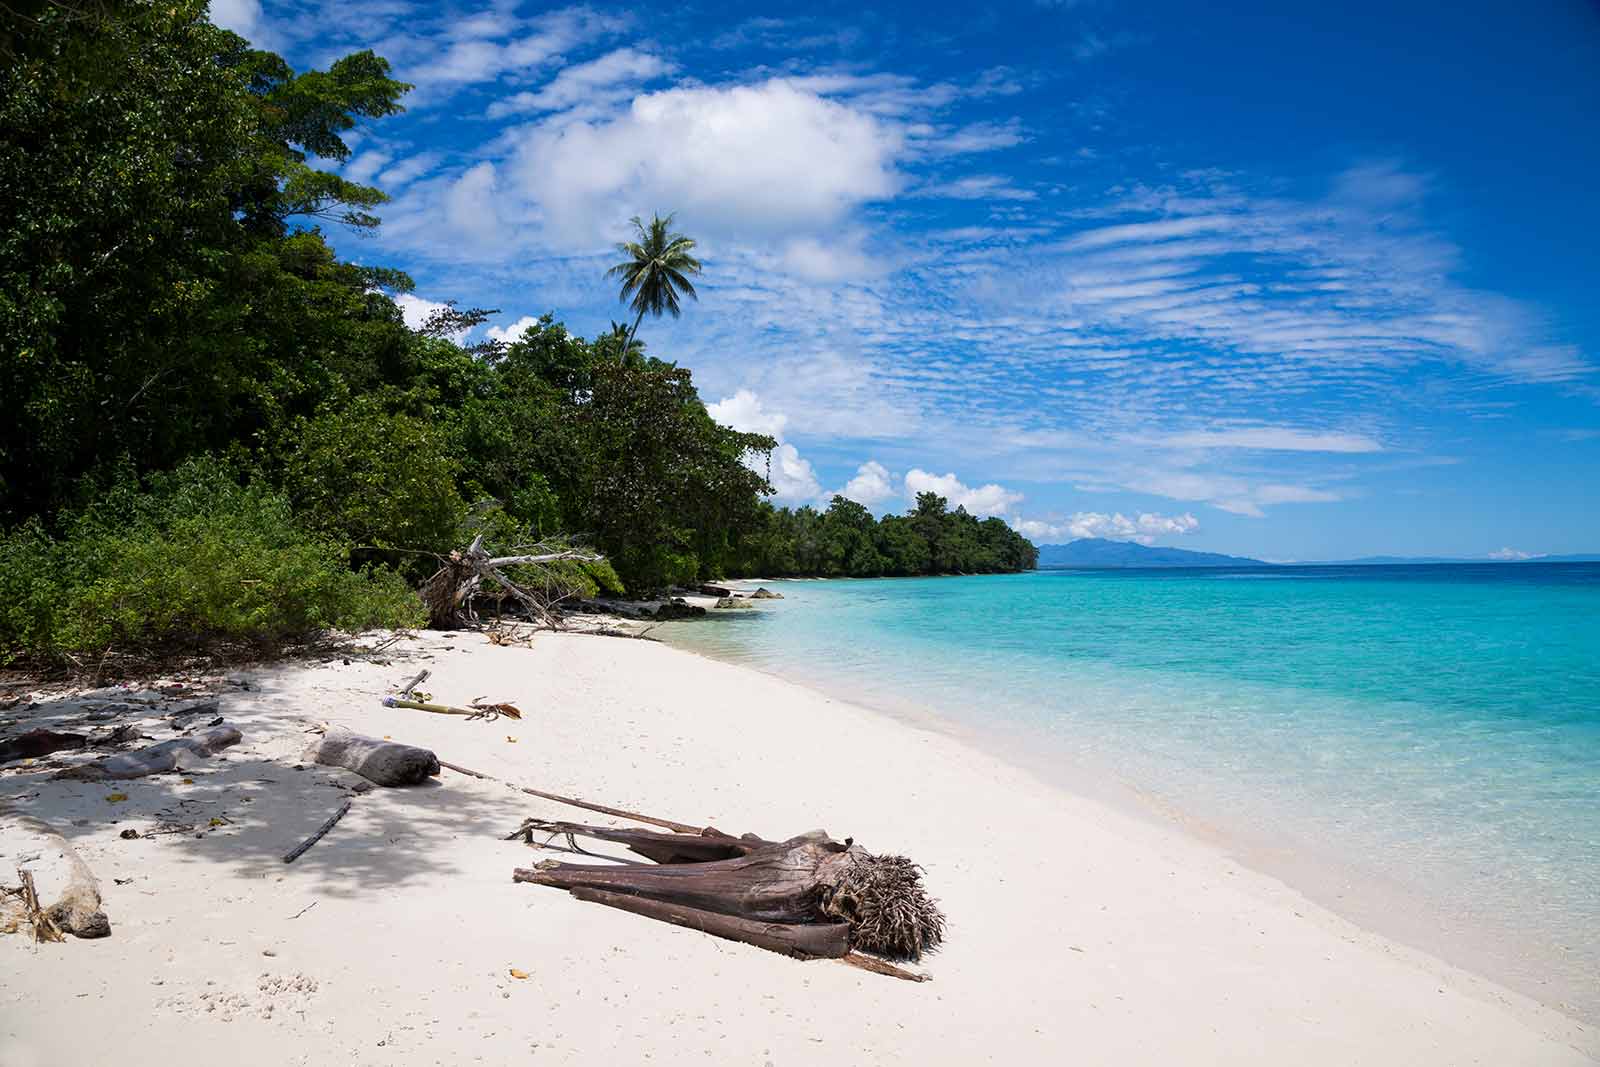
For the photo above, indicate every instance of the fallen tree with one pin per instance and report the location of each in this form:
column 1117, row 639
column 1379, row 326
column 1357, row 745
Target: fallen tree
column 808, row 896
column 467, row 573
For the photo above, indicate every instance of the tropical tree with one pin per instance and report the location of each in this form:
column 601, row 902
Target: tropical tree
column 655, row 272
column 619, row 342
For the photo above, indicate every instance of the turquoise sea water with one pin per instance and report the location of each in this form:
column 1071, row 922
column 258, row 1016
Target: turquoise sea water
column 1416, row 740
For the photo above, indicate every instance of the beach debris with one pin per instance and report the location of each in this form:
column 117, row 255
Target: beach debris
column 387, row 763
column 27, row 895
column 37, row 743
column 299, row 850
column 421, row 676
column 178, row 754
column 478, row 710
column 449, row 593
column 518, row 974
column 808, row 896
column 78, row 910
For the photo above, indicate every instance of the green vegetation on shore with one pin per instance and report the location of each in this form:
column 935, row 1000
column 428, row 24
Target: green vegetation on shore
column 846, row 541
column 217, row 428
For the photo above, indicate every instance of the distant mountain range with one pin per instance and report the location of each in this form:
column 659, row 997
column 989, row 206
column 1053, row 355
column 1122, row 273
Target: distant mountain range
column 1100, row 552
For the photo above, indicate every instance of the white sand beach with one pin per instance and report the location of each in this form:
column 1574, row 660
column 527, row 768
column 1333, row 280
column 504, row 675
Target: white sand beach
column 1078, row 933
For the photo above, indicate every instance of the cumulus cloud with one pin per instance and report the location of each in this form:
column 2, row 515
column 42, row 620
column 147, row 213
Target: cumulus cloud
column 983, row 500
column 794, row 480
column 766, row 158
column 1511, row 554
column 792, row 476
column 872, row 485
column 743, row 411
column 512, row 332
column 415, row 310
column 1144, row 528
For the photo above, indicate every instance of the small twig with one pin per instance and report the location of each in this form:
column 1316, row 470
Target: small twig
column 311, row 905
column 295, row 853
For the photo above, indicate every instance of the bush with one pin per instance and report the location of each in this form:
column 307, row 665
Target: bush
column 376, row 480
column 191, row 557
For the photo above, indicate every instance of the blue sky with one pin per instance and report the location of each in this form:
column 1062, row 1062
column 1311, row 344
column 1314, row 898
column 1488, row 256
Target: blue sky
column 1295, row 281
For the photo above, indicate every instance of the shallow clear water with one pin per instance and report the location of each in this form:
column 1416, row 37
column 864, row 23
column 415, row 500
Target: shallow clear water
column 1431, row 729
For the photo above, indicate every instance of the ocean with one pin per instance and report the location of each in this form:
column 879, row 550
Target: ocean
column 1417, row 747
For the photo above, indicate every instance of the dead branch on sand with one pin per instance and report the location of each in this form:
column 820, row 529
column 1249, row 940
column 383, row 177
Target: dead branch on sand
column 299, row 850
column 809, row 896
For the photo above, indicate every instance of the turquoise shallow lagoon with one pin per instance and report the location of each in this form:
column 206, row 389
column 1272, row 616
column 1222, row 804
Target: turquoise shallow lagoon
column 1418, row 747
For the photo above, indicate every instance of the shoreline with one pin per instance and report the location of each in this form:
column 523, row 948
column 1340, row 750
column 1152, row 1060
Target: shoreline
column 1334, row 878
column 1073, row 925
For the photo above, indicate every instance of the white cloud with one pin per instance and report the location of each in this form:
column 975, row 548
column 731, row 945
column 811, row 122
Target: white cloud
column 983, row 500
column 508, row 334
column 977, row 187
column 743, row 411
column 1144, row 528
column 489, row 45
column 597, row 82
column 415, row 310
column 242, row 17
column 793, row 477
column 871, row 486
column 1276, row 438
column 1511, row 554
column 408, row 170
column 769, row 158
column 1227, row 492
column 794, row 480
column 365, row 165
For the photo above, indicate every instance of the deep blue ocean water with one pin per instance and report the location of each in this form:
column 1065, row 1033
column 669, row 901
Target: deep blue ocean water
column 1434, row 729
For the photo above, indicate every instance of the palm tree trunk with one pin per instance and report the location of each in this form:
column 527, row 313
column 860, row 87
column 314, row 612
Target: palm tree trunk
column 629, row 342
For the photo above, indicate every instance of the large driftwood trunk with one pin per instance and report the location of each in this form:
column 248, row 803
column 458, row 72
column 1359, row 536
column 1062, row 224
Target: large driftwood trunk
column 387, row 763
column 807, row 896
column 176, row 754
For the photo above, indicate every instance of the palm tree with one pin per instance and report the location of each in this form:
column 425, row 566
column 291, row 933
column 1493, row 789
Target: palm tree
column 629, row 349
column 655, row 272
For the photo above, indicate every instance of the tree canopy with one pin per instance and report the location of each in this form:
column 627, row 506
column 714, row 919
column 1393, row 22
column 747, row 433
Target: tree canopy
column 169, row 303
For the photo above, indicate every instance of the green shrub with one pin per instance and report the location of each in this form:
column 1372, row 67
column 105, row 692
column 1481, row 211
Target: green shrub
column 190, row 557
column 376, row 480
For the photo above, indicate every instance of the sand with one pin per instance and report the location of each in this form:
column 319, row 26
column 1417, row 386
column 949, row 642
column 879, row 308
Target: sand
column 1079, row 933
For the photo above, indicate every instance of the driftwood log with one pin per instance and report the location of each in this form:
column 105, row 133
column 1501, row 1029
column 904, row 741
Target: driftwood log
column 808, row 896
column 177, row 754
column 78, row 910
column 387, row 763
